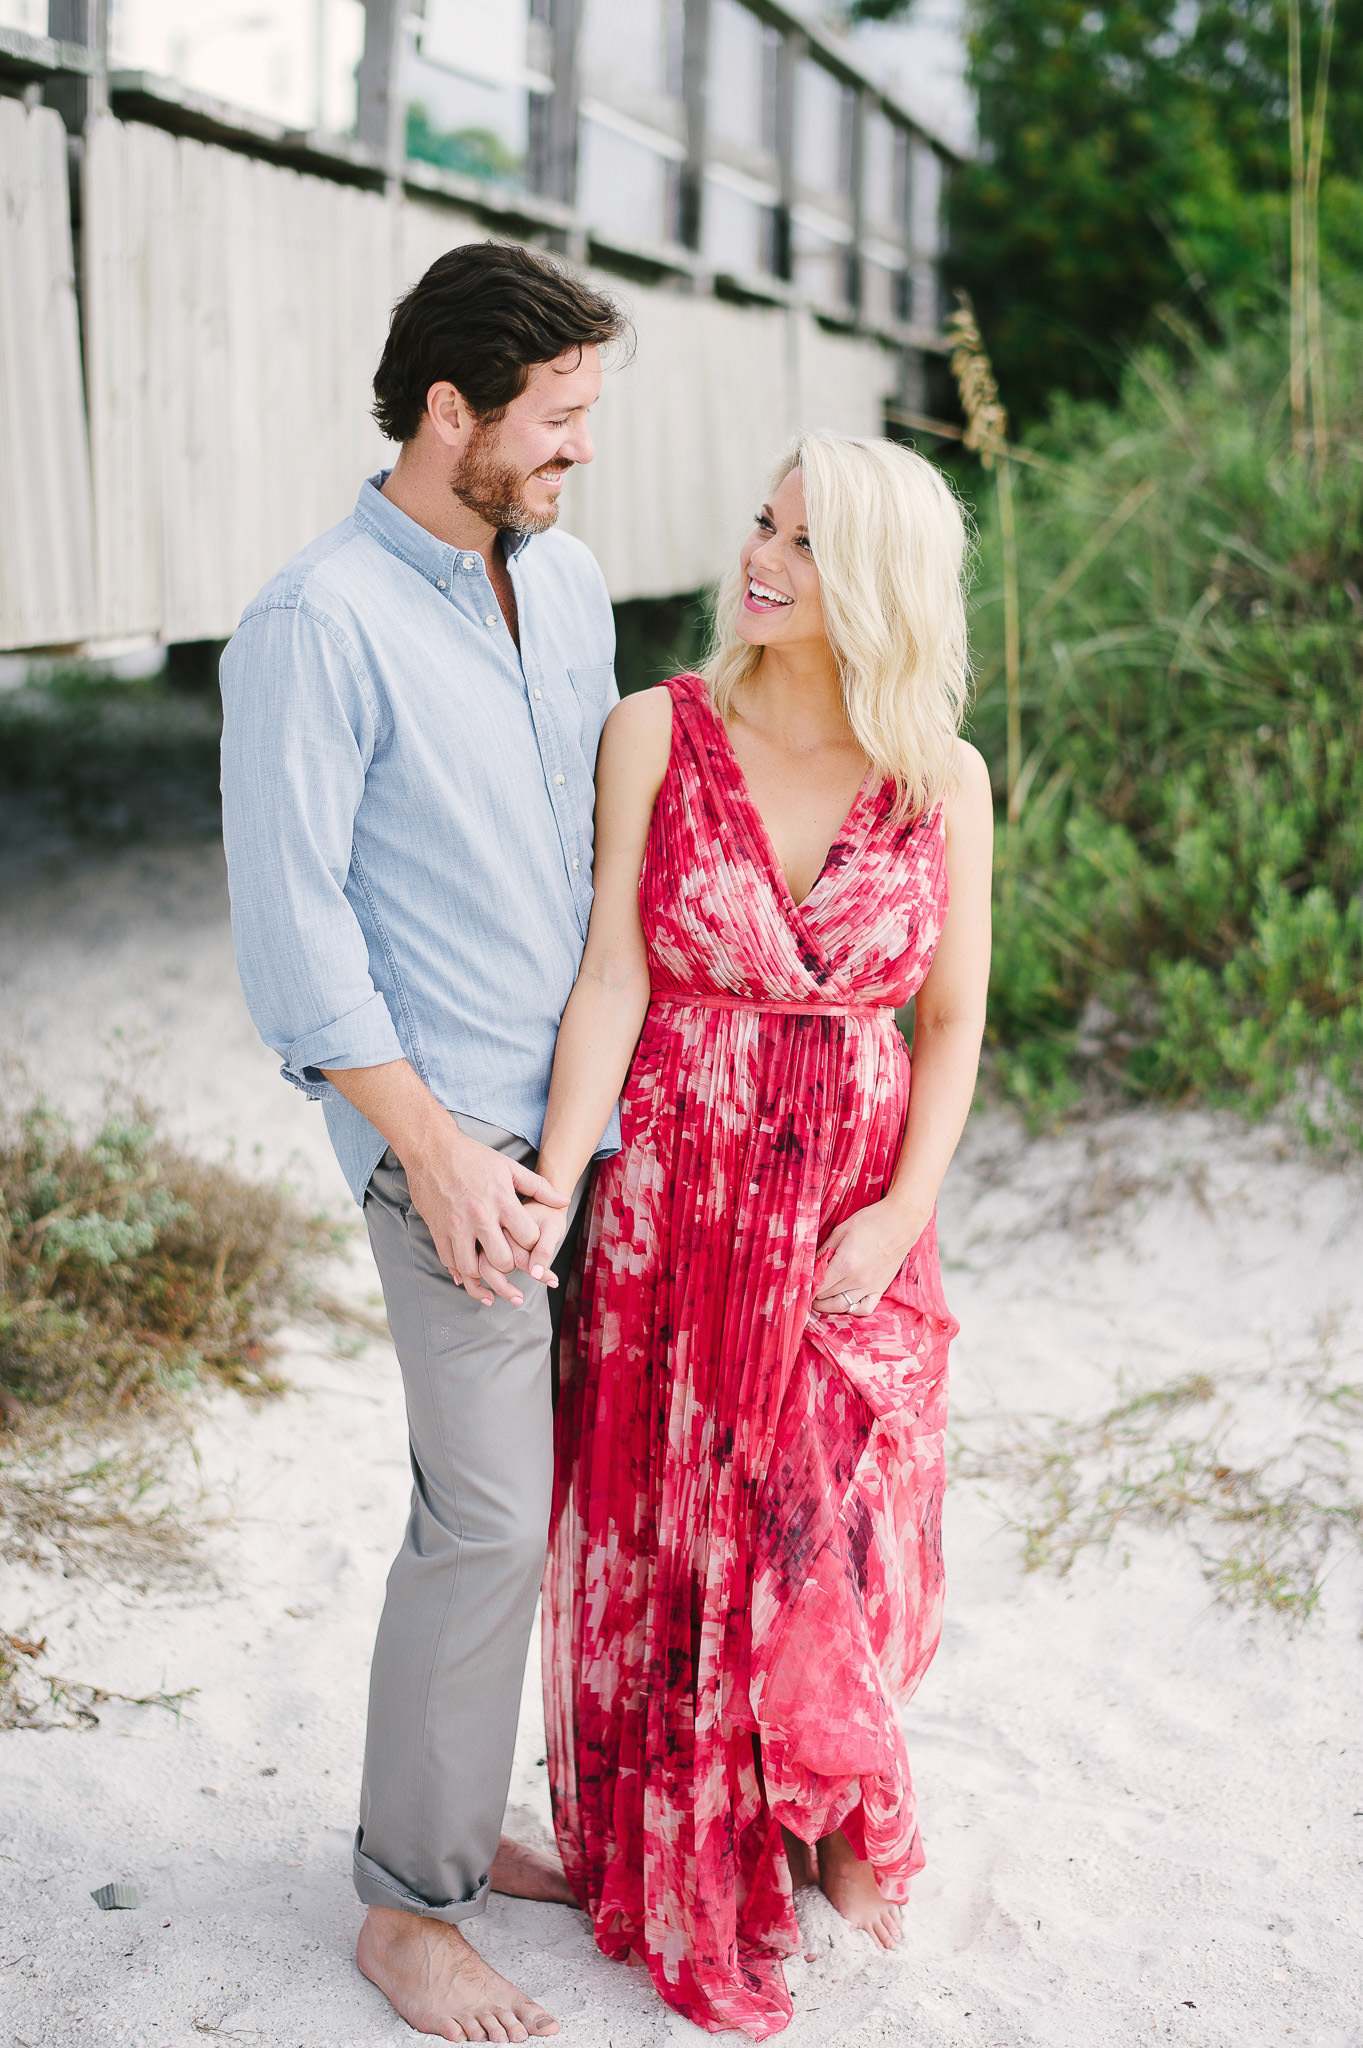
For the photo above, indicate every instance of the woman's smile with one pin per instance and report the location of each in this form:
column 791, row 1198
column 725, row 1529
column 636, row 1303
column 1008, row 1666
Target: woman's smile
column 762, row 597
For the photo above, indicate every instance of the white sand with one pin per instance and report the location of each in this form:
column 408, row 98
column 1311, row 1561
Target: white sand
column 1142, row 1812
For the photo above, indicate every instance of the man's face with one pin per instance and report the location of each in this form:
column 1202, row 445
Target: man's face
column 511, row 473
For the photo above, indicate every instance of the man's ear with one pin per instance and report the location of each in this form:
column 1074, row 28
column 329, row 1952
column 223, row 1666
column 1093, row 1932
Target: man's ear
column 448, row 414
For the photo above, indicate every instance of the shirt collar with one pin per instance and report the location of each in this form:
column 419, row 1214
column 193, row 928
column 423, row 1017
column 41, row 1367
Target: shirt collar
column 434, row 559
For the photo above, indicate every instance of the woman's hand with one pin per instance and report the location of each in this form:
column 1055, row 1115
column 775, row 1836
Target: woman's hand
column 863, row 1255
column 538, row 1260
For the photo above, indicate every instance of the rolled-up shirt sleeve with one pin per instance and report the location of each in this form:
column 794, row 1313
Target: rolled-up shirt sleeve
column 299, row 731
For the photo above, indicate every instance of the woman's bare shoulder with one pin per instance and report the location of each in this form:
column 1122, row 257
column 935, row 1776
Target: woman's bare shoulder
column 639, row 729
column 643, row 714
column 636, row 743
column 969, row 802
column 972, row 770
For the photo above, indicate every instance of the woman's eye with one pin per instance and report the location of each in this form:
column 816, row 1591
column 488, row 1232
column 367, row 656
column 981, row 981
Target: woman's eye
column 761, row 520
column 804, row 543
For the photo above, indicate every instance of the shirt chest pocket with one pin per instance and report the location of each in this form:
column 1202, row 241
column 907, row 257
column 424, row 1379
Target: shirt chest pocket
column 593, row 692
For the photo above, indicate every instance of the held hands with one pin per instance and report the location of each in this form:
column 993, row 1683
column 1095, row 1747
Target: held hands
column 470, row 1199
column 552, row 1227
column 864, row 1253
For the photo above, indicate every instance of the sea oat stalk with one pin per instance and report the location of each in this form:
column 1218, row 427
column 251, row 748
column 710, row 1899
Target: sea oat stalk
column 987, row 433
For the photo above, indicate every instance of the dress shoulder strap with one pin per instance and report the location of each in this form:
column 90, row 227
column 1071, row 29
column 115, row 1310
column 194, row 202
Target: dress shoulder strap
column 689, row 692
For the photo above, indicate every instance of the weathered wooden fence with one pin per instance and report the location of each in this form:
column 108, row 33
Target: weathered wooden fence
column 47, row 585
column 231, row 313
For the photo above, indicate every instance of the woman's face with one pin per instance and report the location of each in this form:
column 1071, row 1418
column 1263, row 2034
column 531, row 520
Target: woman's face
column 780, row 605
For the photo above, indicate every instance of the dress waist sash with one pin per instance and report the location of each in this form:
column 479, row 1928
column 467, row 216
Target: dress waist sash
column 712, row 999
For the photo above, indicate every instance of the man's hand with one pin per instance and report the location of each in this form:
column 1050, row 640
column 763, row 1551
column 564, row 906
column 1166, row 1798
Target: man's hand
column 468, row 1196
column 470, row 1200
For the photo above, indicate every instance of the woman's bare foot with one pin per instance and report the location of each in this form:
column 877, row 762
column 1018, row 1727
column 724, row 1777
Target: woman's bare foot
column 851, row 1887
column 435, row 1981
column 804, row 1867
column 525, row 1874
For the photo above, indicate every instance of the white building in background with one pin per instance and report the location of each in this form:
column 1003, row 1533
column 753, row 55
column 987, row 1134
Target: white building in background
column 258, row 179
column 293, row 61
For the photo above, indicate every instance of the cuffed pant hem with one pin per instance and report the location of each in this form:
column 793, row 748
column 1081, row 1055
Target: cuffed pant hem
column 375, row 1887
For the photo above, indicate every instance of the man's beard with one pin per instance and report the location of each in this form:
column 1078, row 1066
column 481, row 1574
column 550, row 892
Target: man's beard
column 496, row 491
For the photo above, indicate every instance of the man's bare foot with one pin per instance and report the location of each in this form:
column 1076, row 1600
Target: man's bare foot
column 851, row 1887
column 435, row 1981
column 804, row 1866
column 525, row 1874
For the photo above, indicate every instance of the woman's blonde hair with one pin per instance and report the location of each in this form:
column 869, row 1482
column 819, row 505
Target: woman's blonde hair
column 889, row 543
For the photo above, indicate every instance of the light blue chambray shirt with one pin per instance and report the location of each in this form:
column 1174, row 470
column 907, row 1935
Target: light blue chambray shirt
column 407, row 811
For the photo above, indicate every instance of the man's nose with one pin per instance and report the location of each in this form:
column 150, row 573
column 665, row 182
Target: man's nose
column 579, row 446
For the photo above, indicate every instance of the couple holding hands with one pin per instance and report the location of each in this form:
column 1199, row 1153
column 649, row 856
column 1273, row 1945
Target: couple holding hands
column 599, row 999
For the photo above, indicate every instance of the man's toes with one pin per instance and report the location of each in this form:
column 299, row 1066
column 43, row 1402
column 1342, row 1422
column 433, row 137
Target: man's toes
column 543, row 2024
column 514, row 2026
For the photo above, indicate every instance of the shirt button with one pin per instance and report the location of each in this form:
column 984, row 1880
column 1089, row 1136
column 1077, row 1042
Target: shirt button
column 558, row 782
column 491, row 619
column 441, row 584
column 575, row 863
column 538, row 695
column 470, row 561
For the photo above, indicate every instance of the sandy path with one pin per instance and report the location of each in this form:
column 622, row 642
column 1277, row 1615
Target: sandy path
column 1144, row 1815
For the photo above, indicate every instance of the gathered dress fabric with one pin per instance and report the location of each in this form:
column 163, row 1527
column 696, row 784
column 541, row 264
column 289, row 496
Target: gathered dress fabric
column 744, row 1581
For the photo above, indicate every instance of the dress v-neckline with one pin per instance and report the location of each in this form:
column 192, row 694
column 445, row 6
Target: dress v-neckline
column 870, row 783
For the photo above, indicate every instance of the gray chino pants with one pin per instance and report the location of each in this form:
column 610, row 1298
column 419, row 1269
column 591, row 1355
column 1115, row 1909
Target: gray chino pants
column 445, row 1688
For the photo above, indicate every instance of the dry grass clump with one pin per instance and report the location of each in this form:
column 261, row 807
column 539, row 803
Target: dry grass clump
column 1267, row 1530
column 131, row 1273
column 33, row 1699
column 103, row 1512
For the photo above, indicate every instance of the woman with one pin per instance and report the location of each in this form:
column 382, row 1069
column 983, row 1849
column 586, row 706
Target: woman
column 745, row 1574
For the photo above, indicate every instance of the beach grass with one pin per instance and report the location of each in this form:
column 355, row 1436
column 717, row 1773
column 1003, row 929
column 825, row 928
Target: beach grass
column 1180, row 864
column 132, row 1273
column 133, row 1277
column 1267, row 1528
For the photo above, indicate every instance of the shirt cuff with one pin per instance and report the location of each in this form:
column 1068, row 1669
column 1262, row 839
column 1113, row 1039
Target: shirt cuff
column 362, row 1038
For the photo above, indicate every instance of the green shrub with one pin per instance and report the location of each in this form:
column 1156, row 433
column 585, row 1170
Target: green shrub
column 1179, row 901
column 108, row 761
column 130, row 1272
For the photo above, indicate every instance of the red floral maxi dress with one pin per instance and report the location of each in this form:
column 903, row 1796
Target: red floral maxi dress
column 745, row 1570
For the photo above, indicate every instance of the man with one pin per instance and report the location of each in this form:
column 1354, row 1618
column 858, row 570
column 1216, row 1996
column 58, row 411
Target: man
column 412, row 710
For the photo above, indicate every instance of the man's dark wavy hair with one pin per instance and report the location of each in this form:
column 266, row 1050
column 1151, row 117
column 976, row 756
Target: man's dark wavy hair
column 481, row 318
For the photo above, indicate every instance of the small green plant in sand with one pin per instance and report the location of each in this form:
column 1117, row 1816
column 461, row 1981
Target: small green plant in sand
column 1267, row 1529
column 131, row 1273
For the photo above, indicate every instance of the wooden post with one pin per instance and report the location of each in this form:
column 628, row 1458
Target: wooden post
column 791, row 50
column 86, row 22
column 382, row 122
column 857, row 194
column 561, row 169
column 695, row 78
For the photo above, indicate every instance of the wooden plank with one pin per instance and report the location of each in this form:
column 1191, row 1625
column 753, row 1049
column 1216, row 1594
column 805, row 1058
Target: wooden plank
column 47, row 592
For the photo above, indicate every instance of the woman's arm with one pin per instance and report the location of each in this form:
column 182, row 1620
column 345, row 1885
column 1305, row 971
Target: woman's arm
column 869, row 1248
column 605, row 1012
